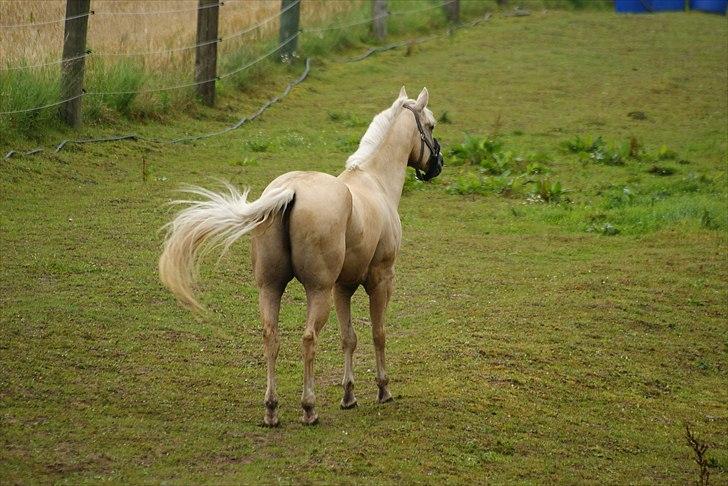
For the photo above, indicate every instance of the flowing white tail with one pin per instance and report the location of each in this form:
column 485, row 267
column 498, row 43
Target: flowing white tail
column 216, row 221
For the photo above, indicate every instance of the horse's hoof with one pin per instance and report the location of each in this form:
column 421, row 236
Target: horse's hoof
column 309, row 419
column 348, row 405
column 384, row 396
column 270, row 421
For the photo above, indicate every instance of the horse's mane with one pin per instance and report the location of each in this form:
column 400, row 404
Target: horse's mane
column 374, row 135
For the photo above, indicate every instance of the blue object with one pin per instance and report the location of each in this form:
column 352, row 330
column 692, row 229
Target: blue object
column 712, row 6
column 642, row 6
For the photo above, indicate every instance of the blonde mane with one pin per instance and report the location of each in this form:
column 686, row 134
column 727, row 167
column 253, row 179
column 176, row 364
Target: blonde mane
column 374, row 135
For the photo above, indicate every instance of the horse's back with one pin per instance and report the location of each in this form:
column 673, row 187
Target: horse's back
column 316, row 225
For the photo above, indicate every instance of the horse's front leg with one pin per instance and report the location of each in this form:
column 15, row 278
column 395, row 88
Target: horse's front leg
column 380, row 290
column 342, row 299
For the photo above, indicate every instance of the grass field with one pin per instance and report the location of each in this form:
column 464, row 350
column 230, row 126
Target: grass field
column 527, row 342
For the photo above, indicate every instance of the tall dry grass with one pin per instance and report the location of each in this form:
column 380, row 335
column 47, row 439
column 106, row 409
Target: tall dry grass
column 117, row 29
column 127, row 75
column 135, row 54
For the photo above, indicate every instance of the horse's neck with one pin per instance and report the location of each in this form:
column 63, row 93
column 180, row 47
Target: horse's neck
column 388, row 164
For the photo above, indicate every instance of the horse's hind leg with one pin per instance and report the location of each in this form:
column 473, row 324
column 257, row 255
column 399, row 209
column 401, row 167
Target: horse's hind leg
column 342, row 298
column 379, row 288
column 273, row 271
column 319, row 306
column 270, row 302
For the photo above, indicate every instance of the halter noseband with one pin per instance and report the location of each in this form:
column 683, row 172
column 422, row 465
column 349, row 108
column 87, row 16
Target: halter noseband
column 435, row 162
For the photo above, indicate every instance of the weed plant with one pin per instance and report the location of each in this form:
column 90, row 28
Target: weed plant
column 486, row 169
column 499, row 171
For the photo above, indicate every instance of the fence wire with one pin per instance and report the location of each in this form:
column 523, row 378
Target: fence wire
column 49, row 63
column 47, row 22
column 163, row 12
column 110, row 14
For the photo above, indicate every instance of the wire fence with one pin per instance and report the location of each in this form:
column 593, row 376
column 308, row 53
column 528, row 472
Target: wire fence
column 236, row 70
column 178, row 86
column 170, row 50
column 307, row 69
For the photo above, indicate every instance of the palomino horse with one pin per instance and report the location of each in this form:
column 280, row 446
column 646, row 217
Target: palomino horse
column 331, row 233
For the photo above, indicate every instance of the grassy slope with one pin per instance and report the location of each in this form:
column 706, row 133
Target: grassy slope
column 520, row 347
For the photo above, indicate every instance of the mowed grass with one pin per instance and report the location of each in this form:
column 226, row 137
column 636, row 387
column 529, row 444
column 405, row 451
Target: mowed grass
column 521, row 346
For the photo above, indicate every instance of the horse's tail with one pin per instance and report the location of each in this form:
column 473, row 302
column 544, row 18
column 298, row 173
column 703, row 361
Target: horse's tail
column 216, row 221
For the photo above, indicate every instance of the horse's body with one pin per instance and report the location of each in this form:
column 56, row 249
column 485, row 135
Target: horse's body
column 333, row 234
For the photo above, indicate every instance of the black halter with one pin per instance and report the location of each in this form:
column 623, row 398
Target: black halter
column 435, row 162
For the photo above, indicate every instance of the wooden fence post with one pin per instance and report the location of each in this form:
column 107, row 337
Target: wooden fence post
column 379, row 18
column 290, row 20
column 206, row 55
column 452, row 11
column 72, row 67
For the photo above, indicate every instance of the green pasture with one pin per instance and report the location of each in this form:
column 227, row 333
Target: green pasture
column 529, row 341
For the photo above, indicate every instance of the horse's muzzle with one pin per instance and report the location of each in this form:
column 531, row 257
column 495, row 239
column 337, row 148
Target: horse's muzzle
column 434, row 164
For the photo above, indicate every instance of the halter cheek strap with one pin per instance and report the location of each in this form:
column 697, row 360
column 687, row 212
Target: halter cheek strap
column 423, row 138
column 434, row 147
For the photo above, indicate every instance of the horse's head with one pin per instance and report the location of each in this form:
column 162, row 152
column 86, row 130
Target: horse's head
column 425, row 155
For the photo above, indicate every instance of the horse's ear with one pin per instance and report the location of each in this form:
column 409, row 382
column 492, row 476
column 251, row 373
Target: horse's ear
column 422, row 100
column 403, row 93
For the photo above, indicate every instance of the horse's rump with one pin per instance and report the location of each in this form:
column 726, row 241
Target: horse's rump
column 316, row 223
